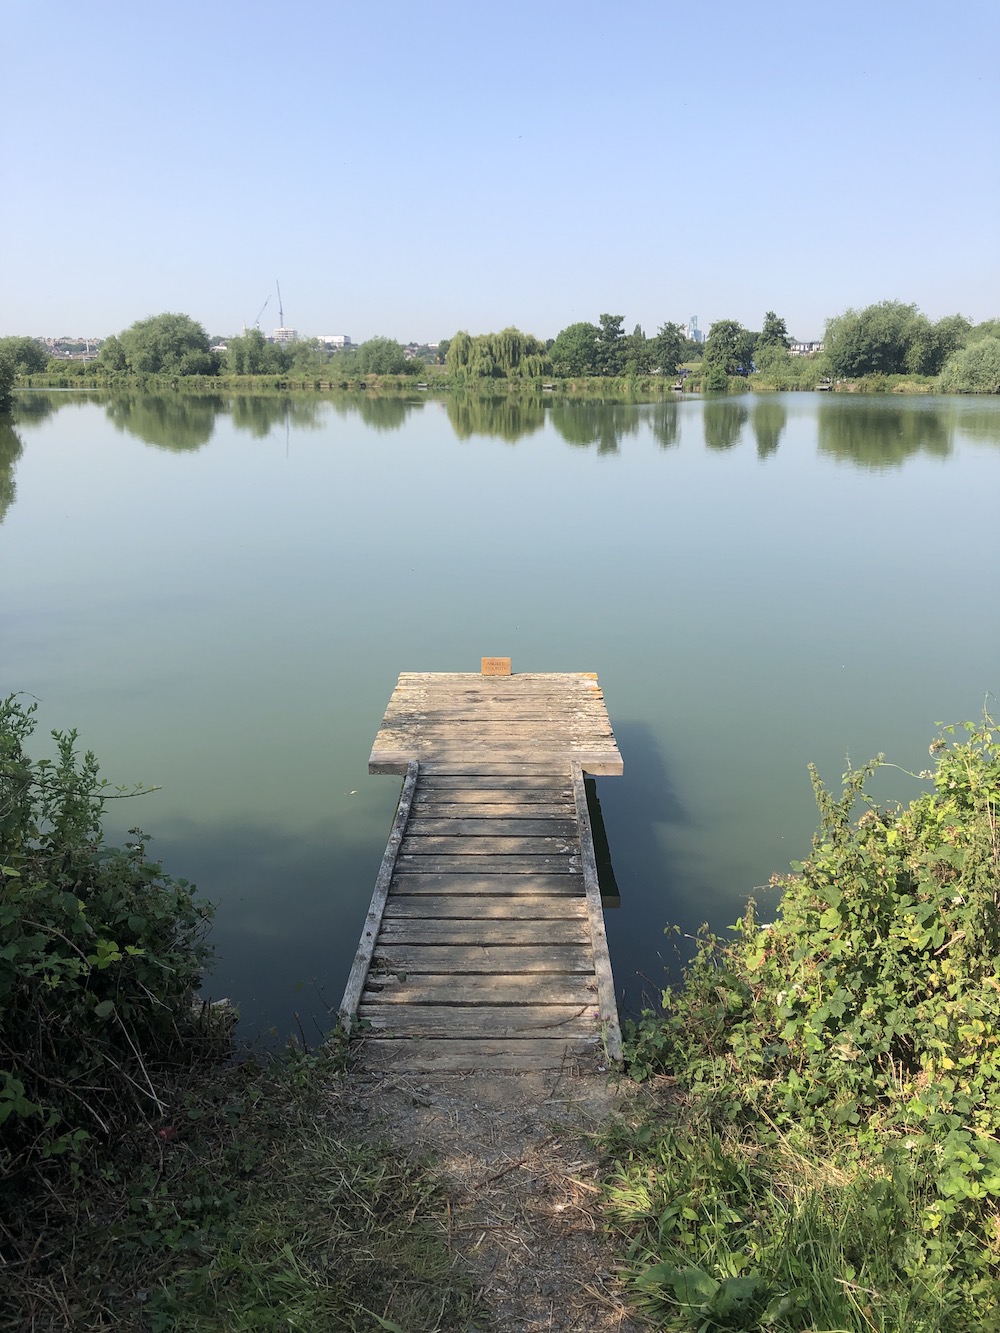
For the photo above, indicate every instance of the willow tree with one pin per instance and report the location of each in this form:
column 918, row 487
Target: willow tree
column 509, row 354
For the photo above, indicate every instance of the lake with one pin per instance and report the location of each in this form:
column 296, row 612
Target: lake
column 219, row 593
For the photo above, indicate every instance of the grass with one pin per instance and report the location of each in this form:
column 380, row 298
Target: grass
column 259, row 1203
column 737, row 1230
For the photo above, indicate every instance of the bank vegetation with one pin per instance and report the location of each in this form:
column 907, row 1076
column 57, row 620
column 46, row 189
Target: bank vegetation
column 886, row 347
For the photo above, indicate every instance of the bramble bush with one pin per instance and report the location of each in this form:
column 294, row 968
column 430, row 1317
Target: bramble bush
column 101, row 956
column 857, row 1036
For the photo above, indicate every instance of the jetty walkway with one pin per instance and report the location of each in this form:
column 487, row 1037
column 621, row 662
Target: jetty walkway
column 484, row 946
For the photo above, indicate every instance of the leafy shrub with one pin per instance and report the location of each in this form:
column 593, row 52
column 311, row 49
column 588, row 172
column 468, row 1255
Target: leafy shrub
column 100, row 956
column 860, row 1029
column 974, row 369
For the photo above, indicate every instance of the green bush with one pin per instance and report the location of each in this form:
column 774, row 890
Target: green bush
column 974, row 369
column 101, row 954
column 857, row 1034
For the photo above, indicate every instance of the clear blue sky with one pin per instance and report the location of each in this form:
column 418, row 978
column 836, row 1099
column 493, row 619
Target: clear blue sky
column 410, row 169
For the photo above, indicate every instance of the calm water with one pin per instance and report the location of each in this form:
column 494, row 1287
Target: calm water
column 220, row 594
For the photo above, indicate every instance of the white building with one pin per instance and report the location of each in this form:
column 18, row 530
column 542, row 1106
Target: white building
column 335, row 339
column 285, row 335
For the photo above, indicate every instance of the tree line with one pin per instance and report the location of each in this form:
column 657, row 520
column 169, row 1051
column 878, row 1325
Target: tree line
column 887, row 338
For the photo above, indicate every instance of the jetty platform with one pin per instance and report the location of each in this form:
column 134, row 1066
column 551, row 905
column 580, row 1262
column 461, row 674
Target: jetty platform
column 484, row 946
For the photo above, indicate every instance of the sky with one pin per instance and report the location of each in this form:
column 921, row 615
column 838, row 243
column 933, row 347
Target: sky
column 407, row 169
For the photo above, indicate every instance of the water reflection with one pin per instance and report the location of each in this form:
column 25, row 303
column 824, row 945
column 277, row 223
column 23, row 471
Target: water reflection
column 603, row 424
column 258, row 415
column 980, row 423
column 30, row 408
column 881, row 435
column 10, row 452
column 377, row 410
column 873, row 434
column 665, row 423
column 508, row 418
column 768, row 420
column 167, row 421
column 724, row 421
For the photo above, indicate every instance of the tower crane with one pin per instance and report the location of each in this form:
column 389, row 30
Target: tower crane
column 256, row 323
column 281, row 312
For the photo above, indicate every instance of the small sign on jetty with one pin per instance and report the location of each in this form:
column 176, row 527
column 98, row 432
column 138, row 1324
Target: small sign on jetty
column 484, row 946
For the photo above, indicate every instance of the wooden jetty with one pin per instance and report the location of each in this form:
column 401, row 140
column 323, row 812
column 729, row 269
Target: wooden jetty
column 484, row 946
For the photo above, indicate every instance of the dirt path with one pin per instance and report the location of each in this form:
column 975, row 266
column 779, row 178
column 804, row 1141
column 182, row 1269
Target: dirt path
column 521, row 1187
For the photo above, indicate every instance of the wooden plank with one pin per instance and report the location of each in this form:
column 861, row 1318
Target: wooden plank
column 543, row 770
column 488, row 865
column 524, row 761
column 490, row 787
column 599, row 762
column 510, row 1054
column 439, row 845
column 495, row 713
column 487, row 932
column 520, row 740
column 602, row 958
column 498, row 826
column 430, row 807
column 523, row 988
column 417, row 880
column 506, row 959
column 483, row 1021
column 542, row 908
column 369, row 931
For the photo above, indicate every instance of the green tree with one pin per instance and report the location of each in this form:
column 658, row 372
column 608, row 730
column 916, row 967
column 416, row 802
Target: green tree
column 774, row 333
column 459, row 353
column 611, row 345
column 989, row 328
column 111, row 357
column 509, row 354
column 889, row 338
column 574, row 351
column 668, row 348
column 974, row 369
column 307, row 358
column 28, row 355
column 382, row 356
column 252, row 354
column 8, row 373
column 167, row 345
column 638, row 353
column 729, row 348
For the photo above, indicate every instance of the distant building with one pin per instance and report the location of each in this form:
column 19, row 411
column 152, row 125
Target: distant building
column 285, row 335
column 335, row 339
column 806, row 349
column 691, row 330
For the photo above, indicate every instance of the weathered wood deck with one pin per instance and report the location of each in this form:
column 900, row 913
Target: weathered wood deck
column 484, row 946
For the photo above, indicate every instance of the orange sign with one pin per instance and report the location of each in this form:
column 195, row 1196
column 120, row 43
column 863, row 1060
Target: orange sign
column 496, row 666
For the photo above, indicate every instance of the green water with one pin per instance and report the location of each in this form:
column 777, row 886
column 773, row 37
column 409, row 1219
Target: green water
column 220, row 592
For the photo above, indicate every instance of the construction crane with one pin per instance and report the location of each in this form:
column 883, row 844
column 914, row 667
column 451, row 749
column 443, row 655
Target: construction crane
column 281, row 312
column 256, row 323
